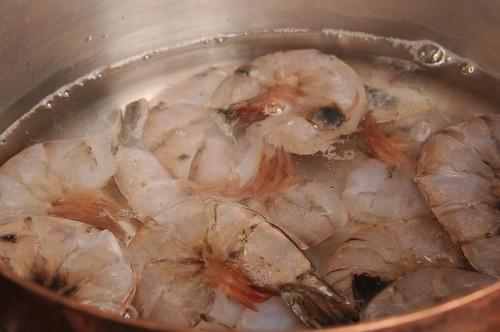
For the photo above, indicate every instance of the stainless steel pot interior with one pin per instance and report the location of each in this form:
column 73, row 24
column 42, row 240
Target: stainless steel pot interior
column 45, row 44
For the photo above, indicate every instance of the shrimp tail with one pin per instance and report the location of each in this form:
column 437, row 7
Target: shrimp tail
column 247, row 112
column 131, row 123
column 316, row 304
column 90, row 208
column 388, row 150
column 234, row 284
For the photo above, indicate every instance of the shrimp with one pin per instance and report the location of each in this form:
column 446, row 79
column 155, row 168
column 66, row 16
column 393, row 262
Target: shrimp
column 423, row 288
column 300, row 107
column 68, row 179
column 187, row 142
column 376, row 192
column 194, row 248
column 375, row 255
column 70, row 258
column 459, row 176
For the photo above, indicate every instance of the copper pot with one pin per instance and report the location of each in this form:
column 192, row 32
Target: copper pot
column 45, row 44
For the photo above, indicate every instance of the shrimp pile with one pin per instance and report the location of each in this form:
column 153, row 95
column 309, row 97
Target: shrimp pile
column 193, row 210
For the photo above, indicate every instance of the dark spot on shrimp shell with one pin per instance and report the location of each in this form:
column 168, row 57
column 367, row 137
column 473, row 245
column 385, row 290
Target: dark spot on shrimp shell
column 12, row 238
column 70, row 290
column 497, row 205
column 379, row 98
column 56, row 283
column 243, row 70
column 28, row 221
column 328, row 117
column 183, row 156
column 365, row 287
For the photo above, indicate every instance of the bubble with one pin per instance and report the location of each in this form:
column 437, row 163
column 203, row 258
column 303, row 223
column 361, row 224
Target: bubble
column 64, row 94
column 431, row 55
column 105, row 36
column 3, row 141
column 147, row 56
column 220, row 39
column 48, row 105
column 468, row 69
column 89, row 38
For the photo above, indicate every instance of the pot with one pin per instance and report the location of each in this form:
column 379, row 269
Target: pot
column 46, row 44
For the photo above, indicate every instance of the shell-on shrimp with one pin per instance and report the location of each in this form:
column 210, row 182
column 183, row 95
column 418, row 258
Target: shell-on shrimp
column 459, row 176
column 423, row 288
column 375, row 255
column 301, row 100
column 195, row 248
column 65, row 178
column 70, row 258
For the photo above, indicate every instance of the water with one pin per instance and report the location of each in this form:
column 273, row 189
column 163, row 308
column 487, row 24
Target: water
column 446, row 89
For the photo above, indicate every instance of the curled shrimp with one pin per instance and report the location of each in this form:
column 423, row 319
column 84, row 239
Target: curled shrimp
column 293, row 104
column 424, row 288
column 65, row 178
column 459, row 176
column 70, row 258
column 195, row 248
column 375, row 255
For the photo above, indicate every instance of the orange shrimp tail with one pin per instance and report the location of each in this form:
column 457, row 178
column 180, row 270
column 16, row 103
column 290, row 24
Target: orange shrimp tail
column 91, row 208
column 276, row 172
column 259, row 107
column 234, row 284
column 388, row 150
column 248, row 112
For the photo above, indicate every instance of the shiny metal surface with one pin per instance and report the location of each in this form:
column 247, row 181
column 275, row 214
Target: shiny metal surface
column 45, row 44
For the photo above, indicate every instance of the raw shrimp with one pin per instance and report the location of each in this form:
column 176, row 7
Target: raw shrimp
column 194, row 248
column 300, row 107
column 70, row 258
column 422, row 289
column 185, row 139
column 376, row 192
column 65, row 178
column 459, row 176
column 375, row 255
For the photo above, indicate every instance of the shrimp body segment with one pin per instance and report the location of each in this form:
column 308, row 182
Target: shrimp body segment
column 459, row 176
column 70, row 258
